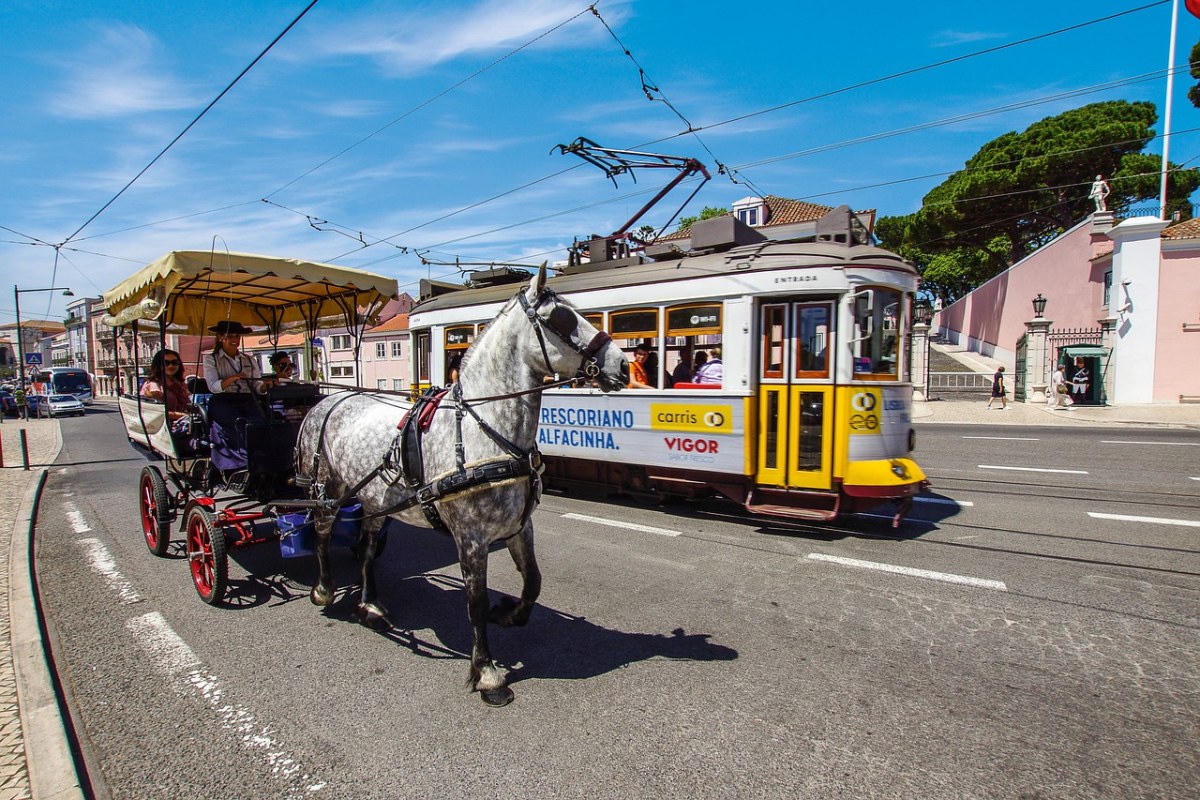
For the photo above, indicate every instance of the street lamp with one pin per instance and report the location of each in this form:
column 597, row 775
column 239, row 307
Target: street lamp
column 922, row 312
column 20, row 341
column 1039, row 306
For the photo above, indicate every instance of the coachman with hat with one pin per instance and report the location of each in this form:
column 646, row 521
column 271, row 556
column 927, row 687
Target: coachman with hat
column 234, row 379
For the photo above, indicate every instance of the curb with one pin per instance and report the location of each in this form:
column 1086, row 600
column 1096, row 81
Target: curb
column 52, row 773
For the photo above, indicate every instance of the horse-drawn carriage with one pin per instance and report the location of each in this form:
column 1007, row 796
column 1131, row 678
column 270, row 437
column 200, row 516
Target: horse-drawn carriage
column 465, row 462
column 188, row 293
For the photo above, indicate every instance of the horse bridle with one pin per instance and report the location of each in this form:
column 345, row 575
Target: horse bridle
column 563, row 325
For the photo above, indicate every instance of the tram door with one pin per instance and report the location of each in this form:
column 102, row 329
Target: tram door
column 795, row 404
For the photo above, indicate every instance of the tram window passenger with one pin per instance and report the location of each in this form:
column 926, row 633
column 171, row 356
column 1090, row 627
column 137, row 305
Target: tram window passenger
column 710, row 370
column 652, row 368
column 682, row 373
column 165, row 383
column 638, row 379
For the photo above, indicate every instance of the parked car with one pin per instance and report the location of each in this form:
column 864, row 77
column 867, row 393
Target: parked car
column 62, row 405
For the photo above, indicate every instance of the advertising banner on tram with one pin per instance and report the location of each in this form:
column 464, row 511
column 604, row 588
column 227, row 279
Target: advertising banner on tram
column 685, row 433
column 878, row 418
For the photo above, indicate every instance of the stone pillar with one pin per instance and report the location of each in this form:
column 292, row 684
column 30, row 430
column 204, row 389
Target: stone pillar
column 1108, row 338
column 920, row 361
column 1037, row 360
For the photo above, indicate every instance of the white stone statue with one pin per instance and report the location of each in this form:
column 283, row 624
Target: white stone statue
column 1099, row 193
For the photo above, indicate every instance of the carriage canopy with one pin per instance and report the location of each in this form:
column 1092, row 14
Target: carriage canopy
column 196, row 289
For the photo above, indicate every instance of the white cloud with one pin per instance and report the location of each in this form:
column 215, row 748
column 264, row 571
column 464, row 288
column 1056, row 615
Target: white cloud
column 415, row 41
column 120, row 73
column 954, row 38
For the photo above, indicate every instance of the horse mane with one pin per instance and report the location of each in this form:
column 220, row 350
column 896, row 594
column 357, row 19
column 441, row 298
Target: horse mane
column 562, row 301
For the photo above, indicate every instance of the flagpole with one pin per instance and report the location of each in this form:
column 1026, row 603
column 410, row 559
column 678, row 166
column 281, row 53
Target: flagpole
column 1162, row 199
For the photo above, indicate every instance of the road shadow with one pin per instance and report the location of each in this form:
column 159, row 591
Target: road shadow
column 428, row 611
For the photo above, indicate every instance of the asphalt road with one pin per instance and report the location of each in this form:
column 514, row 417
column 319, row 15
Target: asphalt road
column 1003, row 643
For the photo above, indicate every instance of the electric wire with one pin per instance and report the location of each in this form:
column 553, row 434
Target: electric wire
column 430, row 101
column 195, row 120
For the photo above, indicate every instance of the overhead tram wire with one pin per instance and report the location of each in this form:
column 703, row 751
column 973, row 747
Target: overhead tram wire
column 164, row 221
column 694, row 130
column 1018, row 106
column 206, row 109
column 905, row 73
column 650, row 89
column 430, row 101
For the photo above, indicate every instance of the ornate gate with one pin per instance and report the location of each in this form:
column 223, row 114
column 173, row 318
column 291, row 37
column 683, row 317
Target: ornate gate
column 1019, row 371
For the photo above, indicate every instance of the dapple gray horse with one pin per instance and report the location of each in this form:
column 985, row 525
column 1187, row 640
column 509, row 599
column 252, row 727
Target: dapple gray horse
column 480, row 450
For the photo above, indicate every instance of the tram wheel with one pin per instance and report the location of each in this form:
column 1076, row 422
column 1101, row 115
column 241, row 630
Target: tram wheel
column 206, row 554
column 155, row 510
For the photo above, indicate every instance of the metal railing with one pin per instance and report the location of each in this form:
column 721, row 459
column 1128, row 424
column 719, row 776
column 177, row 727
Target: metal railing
column 967, row 382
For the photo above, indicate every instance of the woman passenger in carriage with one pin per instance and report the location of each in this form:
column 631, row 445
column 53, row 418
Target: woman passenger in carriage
column 165, row 383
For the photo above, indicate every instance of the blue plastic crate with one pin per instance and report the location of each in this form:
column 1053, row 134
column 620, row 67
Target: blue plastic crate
column 296, row 534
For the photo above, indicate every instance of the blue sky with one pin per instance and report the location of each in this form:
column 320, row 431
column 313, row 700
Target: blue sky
column 432, row 124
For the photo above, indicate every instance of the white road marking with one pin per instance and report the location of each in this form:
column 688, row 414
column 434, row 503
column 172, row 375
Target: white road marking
column 171, row 655
column 633, row 526
column 102, row 563
column 1036, row 469
column 1171, row 444
column 1004, row 438
column 1189, row 523
column 76, row 517
column 946, row 501
column 980, row 583
column 1194, row 479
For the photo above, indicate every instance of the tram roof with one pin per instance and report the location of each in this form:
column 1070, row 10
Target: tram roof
column 767, row 256
column 199, row 288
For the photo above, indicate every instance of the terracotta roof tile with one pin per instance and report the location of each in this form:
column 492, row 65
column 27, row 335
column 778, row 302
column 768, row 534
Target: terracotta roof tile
column 396, row 323
column 1188, row 229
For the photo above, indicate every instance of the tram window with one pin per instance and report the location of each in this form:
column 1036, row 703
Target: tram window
column 596, row 320
column 422, row 351
column 877, row 315
column 774, row 331
column 460, row 337
column 812, row 431
column 812, row 336
column 634, row 324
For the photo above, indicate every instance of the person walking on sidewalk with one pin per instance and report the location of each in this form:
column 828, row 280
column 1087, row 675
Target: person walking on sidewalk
column 22, row 403
column 998, row 390
column 1058, row 390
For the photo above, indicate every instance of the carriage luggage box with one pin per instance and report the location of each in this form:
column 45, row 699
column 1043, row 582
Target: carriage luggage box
column 297, row 533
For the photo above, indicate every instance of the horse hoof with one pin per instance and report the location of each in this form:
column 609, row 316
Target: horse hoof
column 497, row 697
column 373, row 617
column 319, row 597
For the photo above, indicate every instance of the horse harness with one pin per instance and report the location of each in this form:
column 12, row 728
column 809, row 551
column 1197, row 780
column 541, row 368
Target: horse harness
column 404, row 457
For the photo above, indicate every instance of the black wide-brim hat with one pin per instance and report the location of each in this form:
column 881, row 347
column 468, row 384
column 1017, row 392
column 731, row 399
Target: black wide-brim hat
column 227, row 326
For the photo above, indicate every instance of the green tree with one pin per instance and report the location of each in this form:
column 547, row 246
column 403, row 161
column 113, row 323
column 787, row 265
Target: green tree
column 1023, row 189
column 708, row 212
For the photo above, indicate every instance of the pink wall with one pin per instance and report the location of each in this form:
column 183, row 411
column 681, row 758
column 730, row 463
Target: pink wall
column 1177, row 350
column 990, row 319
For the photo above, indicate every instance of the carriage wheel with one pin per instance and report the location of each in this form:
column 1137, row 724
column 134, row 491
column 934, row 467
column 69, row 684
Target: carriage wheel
column 206, row 555
column 155, row 508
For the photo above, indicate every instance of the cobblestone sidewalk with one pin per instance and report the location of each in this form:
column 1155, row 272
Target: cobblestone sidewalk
column 43, row 439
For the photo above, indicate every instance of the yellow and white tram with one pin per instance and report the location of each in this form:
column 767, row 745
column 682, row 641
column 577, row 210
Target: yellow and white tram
column 813, row 415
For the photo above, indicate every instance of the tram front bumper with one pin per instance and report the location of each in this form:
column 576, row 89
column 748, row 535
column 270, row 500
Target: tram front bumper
column 885, row 478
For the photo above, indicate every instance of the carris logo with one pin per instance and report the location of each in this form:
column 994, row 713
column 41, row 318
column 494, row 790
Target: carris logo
column 863, row 401
column 691, row 445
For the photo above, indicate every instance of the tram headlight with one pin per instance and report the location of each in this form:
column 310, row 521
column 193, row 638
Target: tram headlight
column 899, row 470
